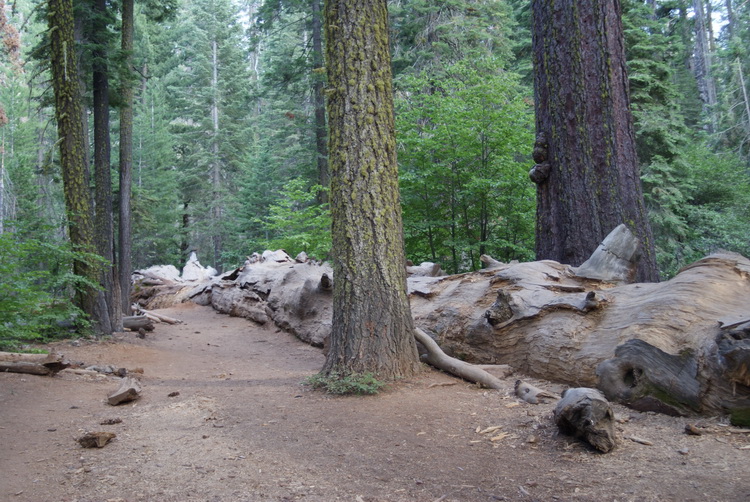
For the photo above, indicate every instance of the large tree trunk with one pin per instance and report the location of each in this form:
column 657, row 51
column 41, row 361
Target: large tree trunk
column 321, row 145
column 69, row 116
column 372, row 326
column 109, row 304
column 126, row 157
column 587, row 174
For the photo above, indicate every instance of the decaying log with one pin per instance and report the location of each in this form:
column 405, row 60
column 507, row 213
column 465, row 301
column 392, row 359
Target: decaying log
column 129, row 390
column 33, row 364
column 437, row 358
column 680, row 346
column 136, row 322
column 585, row 413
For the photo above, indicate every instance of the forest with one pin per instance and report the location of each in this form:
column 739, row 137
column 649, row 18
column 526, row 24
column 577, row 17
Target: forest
column 211, row 115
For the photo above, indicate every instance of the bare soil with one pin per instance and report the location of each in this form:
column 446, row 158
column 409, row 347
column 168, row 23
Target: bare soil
column 244, row 428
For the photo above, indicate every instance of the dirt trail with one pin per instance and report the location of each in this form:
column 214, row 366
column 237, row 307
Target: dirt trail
column 243, row 428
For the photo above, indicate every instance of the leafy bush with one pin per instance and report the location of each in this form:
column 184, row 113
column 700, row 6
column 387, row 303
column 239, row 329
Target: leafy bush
column 346, row 383
column 36, row 282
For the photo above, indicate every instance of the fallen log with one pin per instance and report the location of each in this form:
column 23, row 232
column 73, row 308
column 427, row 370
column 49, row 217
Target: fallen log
column 680, row 346
column 136, row 322
column 32, row 364
column 437, row 358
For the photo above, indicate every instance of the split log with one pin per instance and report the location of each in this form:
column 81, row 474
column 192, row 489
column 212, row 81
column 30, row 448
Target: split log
column 129, row 390
column 437, row 358
column 136, row 322
column 585, row 413
column 33, row 364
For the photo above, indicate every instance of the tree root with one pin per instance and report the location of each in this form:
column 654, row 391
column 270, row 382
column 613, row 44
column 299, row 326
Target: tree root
column 439, row 359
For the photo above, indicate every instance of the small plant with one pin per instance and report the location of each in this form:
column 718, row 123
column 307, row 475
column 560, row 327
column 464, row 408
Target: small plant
column 349, row 383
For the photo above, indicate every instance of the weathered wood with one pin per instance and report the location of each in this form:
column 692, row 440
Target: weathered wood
column 160, row 317
column 129, row 390
column 426, row 269
column 616, row 258
column 683, row 345
column 532, row 394
column 134, row 323
column 96, row 439
column 437, row 358
column 32, row 364
column 585, row 413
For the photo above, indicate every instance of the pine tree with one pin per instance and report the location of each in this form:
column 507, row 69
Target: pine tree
column 372, row 328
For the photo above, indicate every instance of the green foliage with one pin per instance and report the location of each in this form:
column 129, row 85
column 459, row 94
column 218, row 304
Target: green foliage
column 298, row 223
column 463, row 146
column 35, row 287
column 346, row 383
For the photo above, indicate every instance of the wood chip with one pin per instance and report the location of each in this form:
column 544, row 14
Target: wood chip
column 500, row 437
column 639, row 440
column 490, row 429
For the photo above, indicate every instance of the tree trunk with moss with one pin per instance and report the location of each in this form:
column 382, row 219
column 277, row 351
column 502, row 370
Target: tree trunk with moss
column 372, row 327
column 587, row 174
column 69, row 115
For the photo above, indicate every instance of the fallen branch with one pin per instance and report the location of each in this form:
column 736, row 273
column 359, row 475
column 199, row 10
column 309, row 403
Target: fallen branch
column 160, row 317
column 32, row 364
column 439, row 359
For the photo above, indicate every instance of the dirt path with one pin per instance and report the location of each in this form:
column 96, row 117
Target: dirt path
column 243, row 429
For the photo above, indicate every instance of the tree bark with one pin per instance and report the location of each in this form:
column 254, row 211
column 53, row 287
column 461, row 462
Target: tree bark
column 372, row 328
column 108, row 302
column 321, row 145
column 587, row 175
column 126, row 157
column 69, row 116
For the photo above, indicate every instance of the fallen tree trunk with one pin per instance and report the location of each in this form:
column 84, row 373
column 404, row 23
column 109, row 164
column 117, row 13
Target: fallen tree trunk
column 679, row 346
column 33, row 364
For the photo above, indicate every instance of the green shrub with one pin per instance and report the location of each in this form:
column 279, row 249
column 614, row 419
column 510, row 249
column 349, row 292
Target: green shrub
column 36, row 284
column 349, row 383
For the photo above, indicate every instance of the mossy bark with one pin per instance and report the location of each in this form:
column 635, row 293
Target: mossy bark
column 372, row 330
column 69, row 116
column 583, row 112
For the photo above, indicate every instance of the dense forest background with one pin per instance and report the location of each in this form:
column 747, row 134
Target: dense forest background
column 229, row 150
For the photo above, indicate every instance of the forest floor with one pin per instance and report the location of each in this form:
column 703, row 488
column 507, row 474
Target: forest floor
column 244, row 428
